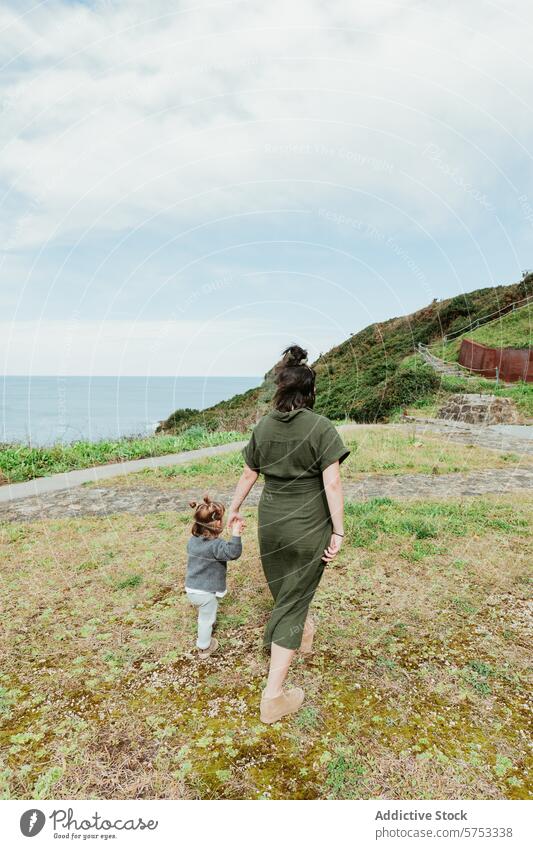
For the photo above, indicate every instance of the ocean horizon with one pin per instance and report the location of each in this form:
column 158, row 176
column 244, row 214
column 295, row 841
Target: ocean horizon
column 48, row 409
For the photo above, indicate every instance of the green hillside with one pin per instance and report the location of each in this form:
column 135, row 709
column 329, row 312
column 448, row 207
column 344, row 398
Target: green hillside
column 373, row 373
column 512, row 330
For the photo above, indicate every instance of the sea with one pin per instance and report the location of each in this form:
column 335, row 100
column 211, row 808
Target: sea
column 47, row 410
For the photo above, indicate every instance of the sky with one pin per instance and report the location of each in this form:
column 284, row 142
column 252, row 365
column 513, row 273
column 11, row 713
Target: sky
column 186, row 188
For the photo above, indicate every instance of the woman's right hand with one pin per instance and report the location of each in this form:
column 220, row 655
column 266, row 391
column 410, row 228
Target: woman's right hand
column 333, row 548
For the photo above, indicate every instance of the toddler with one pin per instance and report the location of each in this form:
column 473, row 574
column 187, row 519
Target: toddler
column 207, row 565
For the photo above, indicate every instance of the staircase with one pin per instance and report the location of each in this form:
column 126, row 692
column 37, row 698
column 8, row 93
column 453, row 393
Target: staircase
column 441, row 366
column 454, row 369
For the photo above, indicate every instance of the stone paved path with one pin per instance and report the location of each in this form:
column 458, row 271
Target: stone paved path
column 450, row 431
column 62, row 495
column 484, row 437
column 105, row 501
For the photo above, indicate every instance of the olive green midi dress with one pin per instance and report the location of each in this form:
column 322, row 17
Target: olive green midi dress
column 292, row 450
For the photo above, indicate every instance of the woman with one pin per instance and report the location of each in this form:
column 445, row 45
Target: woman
column 300, row 516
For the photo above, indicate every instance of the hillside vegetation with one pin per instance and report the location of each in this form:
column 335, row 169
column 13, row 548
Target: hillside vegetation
column 428, row 405
column 512, row 330
column 373, row 373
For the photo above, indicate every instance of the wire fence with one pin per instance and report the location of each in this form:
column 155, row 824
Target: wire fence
column 487, row 319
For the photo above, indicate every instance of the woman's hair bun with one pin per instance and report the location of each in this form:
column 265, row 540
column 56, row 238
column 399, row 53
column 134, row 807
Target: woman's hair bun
column 294, row 356
column 295, row 381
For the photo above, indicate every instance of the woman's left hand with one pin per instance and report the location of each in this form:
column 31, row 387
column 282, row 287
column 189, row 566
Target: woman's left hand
column 333, row 548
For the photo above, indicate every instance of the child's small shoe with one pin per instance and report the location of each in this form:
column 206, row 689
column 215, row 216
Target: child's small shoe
column 275, row 709
column 211, row 649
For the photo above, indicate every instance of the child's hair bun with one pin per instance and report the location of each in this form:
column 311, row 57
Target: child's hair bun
column 196, row 504
column 207, row 517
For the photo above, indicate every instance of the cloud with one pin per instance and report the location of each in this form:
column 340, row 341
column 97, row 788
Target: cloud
column 356, row 159
column 117, row 116
column 175, row 347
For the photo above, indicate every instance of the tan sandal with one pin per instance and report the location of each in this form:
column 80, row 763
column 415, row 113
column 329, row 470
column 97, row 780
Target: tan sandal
column 288, row 702
column 306, row 646
column 211, row 649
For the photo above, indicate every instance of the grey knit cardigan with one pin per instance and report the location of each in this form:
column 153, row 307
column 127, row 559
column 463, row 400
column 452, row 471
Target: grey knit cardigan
column 207, row 562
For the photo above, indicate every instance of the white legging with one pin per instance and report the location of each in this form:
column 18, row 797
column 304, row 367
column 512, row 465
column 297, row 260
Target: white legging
column 207, row 604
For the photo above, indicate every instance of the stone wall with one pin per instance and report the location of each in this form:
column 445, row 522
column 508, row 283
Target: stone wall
column 480, row 409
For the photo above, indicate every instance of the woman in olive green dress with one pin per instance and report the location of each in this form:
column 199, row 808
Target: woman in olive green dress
column 300, row 516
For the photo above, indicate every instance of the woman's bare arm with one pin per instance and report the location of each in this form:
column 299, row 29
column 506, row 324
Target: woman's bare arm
column 244, row 485
column 331, row 477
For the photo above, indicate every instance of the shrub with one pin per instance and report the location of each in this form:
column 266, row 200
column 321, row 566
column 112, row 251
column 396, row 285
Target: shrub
column 404, row 387
column 179, row 418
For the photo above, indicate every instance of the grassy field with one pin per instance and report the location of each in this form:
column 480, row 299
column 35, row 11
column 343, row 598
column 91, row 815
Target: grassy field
column 375, row 450
column 21, row 462
column 418, row 687
column 512, row 330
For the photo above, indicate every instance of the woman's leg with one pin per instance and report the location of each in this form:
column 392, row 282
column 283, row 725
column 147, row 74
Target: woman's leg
column 280, row 660
column 306, row 646
column 275, row 701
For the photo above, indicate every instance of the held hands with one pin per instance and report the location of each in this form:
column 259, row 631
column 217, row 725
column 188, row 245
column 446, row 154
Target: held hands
column 333, row 548
column 238, row 527
column 236, row 522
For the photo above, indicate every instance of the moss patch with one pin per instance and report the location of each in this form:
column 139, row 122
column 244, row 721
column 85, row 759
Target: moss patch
column 417, row 688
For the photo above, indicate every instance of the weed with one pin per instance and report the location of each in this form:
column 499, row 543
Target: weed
column 342, row 775
column 130, row 582
column 307, row 717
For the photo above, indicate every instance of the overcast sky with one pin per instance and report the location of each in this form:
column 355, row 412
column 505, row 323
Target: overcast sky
column 187, row 187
